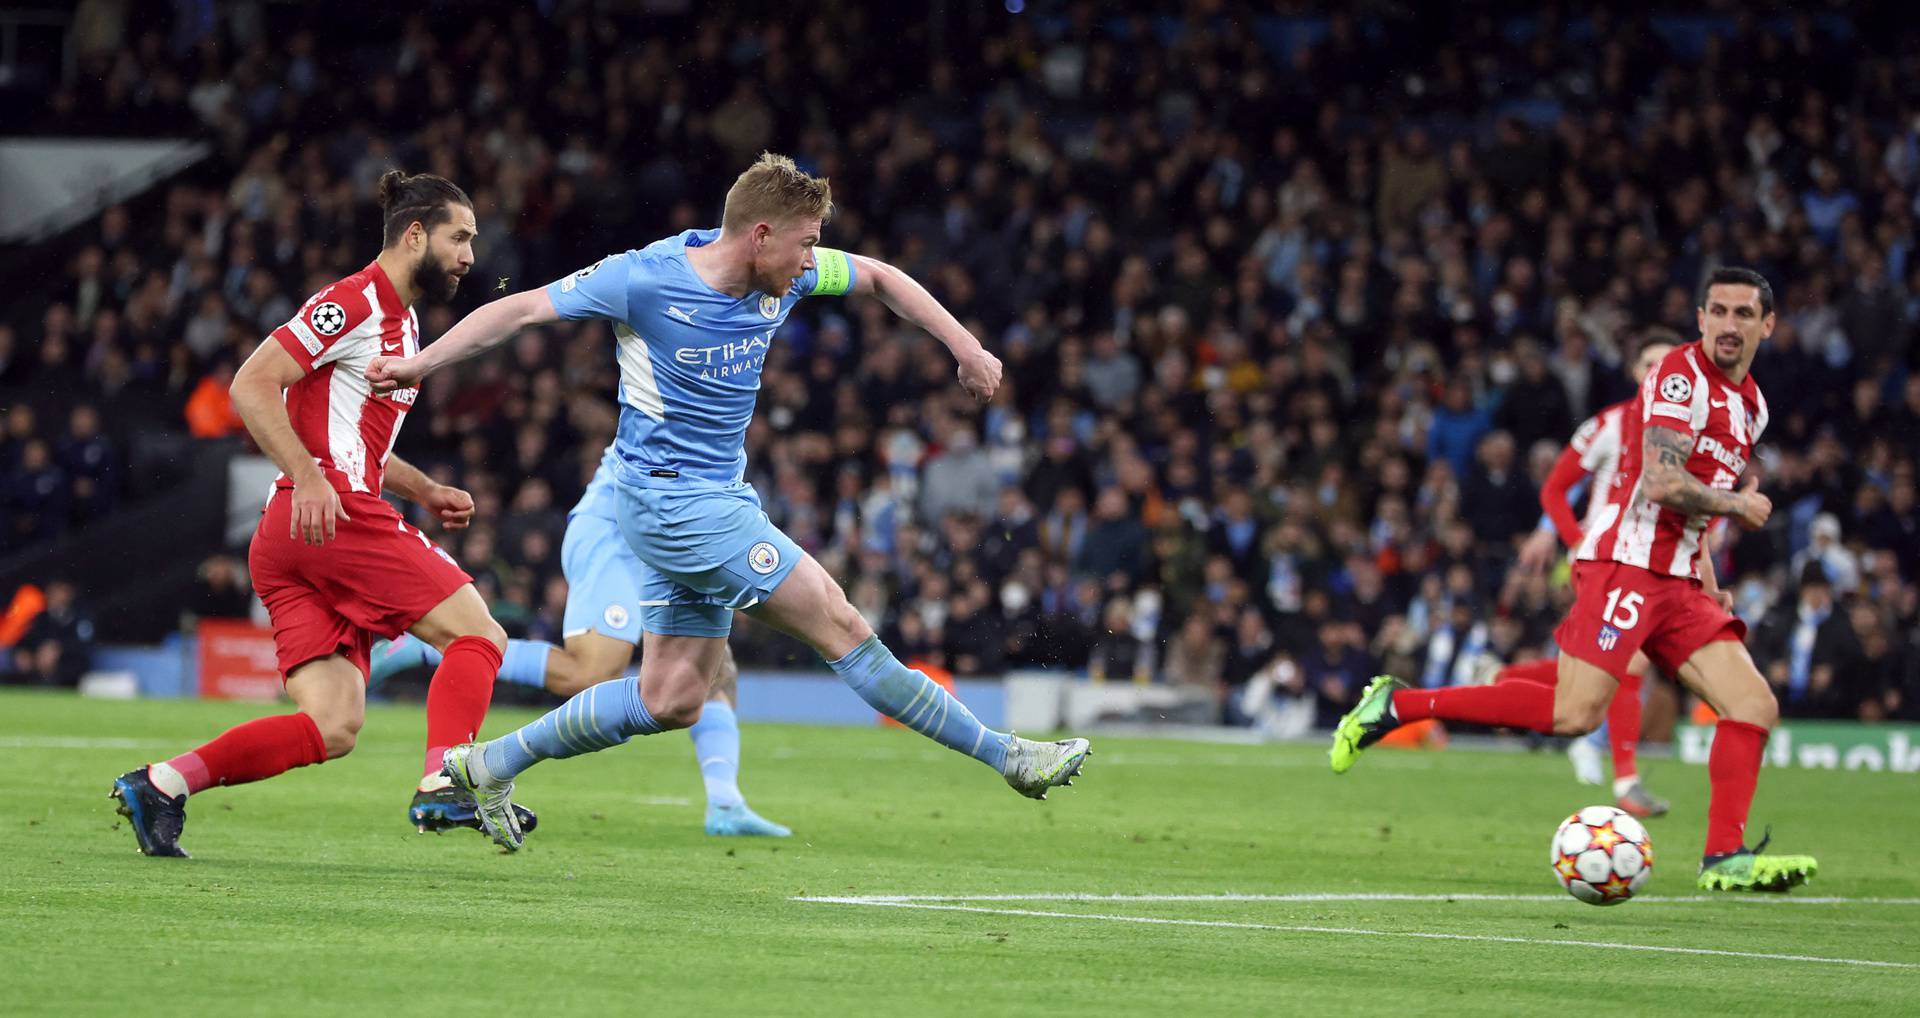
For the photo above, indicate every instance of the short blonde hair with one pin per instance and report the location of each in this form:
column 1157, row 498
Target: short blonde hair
column 773, row 188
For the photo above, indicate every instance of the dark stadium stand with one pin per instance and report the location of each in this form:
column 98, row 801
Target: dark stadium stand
column 1287, row 354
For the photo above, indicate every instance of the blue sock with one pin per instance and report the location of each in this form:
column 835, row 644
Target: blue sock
column 914, row 700
column 595, row 718
column 1598, row 738
column 716, row 744
column 525, row 663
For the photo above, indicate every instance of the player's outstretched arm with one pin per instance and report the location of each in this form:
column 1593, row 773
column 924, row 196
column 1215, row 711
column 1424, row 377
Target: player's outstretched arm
column 979, row 370
column 258, row 396
column 453, row 506
column 1666, row 480
column 487, row 327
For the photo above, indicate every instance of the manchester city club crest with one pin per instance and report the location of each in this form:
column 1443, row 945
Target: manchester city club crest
column 769, row 307
column 763, row 558
column 616, row 616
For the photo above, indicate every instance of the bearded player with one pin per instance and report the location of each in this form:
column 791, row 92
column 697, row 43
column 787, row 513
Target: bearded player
column 1594, row 454
column 693, row 316
column 333, row 562
column 1642, row 582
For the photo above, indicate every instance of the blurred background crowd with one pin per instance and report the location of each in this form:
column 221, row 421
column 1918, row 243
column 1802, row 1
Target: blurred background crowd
column 1295, row 311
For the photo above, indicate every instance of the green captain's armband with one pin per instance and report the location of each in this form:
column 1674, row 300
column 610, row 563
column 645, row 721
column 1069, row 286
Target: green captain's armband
column 832, row 273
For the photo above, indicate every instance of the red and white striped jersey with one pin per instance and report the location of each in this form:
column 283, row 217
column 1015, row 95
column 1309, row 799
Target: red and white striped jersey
column 1597, row 441
column 1688, row 393
column 346, row 427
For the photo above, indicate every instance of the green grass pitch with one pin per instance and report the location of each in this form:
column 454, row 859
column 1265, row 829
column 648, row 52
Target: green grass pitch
column 310, row 894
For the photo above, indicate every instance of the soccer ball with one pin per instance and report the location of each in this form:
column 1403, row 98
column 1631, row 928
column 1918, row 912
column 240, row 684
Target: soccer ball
column 1601, row 855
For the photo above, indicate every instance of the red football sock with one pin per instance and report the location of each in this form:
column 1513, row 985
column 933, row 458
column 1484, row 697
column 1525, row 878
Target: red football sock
column 1541, row 672
column 1623, row 726
column 257, row 750
column 458, row 696
column 1733, row 768
column 1506, row 705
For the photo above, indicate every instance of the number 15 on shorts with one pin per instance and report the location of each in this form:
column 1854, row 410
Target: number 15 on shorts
column 1622, row 612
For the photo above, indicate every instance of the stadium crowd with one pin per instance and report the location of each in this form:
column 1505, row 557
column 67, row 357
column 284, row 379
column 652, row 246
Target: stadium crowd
column 1295, row 312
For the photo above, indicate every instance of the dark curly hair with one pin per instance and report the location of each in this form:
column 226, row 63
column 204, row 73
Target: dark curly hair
column 421, row 198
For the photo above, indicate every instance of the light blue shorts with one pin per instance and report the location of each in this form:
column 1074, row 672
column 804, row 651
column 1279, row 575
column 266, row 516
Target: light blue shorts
column 604, row 579
column 700, row 554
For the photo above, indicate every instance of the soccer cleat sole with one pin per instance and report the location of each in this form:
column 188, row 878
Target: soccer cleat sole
column 1779, row 881
column 1347, row 735
column 128, row 805
column 1072, row 770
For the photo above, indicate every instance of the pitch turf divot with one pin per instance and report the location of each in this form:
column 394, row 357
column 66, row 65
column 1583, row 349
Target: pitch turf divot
column 936, row 903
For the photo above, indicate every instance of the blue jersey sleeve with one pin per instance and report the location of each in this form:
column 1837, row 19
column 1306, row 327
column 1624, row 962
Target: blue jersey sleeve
column 597, row 291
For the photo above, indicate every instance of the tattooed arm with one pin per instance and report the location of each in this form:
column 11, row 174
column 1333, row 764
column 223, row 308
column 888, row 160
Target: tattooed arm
column 1664, row 479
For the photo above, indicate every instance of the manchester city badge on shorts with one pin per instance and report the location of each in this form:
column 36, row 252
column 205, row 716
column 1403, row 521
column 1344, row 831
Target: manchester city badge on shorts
column 763, row 558
column 1607, row 638
column 615, row 616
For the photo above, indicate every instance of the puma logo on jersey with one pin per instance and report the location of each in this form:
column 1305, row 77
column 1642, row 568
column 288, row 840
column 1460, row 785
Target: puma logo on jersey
column 685, row 316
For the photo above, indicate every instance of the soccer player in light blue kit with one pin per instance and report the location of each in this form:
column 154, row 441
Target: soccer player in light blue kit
column 693, row 316
column 602, row 628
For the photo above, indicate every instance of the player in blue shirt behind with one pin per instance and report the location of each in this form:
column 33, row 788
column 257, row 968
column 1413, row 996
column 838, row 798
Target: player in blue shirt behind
column 602, row 629
column 693, row 316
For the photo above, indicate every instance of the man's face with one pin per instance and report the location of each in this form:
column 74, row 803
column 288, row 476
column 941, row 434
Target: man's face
column 783, row 251
column 446, row 257
column 1733, row 325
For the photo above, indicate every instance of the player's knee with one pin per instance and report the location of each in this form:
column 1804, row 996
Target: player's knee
column 679, row 707
column 338, row 734
column 848, row 623
column 490, row 631
column 1755, row 706
column 675, row 694
column 1577, row 718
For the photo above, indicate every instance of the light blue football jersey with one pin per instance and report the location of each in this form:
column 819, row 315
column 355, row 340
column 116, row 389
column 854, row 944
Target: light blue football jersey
column 690, row 356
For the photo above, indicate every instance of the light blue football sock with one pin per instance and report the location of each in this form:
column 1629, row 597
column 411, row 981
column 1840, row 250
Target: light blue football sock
column 909, row 697
column 595, row 718
column 525, row 663
column 716, row 744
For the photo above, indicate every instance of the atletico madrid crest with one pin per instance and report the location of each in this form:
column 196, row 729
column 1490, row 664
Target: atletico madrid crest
column 1608, row 637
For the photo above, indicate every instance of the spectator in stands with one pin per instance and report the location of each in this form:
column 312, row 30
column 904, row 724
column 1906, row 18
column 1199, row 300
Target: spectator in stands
column 1839, row 567
column 37, row 495
column 1812, row 655
column 221, row 590
column 58, row 646
column 93, row 464
column 960, row 477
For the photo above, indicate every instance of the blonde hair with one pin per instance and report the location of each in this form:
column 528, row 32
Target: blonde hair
column 772, row 189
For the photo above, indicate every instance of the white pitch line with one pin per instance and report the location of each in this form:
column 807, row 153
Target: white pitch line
column 72, row 742
column 889, row 899
column 1358, row 932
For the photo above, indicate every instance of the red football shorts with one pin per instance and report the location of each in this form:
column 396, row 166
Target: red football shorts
column 376, row 577
column 1619, row 609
